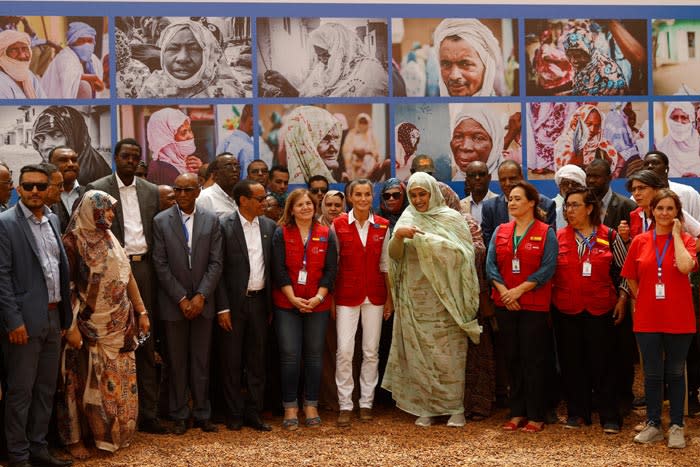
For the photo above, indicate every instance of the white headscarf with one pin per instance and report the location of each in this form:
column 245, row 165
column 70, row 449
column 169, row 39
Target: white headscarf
column 682, row 144
column 570, row 172
column 211, row 52
column 482, row 39
column 17, row 69
column 491, row 122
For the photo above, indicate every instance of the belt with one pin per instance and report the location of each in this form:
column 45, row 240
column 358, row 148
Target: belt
column 53, row 306
column 138, row 258
column 254, row 293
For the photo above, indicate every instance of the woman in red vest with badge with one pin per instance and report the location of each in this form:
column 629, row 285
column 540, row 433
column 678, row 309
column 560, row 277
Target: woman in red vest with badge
column 589, row 301
column 304, row 272
column 657, row 268
column 521, row 260
column 360, row 293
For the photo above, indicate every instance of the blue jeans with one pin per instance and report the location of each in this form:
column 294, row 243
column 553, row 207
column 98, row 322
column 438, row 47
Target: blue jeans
column 297, row 331
column 664, row 357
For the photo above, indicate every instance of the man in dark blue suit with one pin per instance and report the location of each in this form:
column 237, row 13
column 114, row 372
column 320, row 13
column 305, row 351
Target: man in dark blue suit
column 35, row 310
column 495, row 210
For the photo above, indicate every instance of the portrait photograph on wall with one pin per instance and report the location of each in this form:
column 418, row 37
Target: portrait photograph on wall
column 29, row 133
column 183, row 57
column 54, row 57
column 675, row 57
column 322, row 57
column 234, row 131
column 454, row 135
column 456, row 56
column 676, row 135
column 342, row 142
column 586, row 57
column 560, row 133
column 175, row 139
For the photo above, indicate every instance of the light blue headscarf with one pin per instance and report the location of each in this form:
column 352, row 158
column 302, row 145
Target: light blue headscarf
column 76, row 30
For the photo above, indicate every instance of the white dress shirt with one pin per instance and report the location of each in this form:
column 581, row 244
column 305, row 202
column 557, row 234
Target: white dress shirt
column 68, row 198
column 134, row 237
column 253, row 241
column 216, row 200
column 472, row 207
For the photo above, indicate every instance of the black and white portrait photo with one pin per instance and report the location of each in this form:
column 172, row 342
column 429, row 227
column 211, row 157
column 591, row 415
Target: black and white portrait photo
column 322, row 57
column 28, row 134
column 195, row 57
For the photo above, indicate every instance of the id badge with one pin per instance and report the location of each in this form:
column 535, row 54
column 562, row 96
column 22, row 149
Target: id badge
column 515, row 266
column 301, row 280
column 660, row 291
column 586, row 271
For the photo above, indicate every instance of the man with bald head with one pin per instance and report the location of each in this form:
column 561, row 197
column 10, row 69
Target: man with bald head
column 476, row 189
column 187, row 258
column 167, row 196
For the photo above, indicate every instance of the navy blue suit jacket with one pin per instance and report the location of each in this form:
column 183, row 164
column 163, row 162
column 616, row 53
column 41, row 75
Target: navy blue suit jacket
column 24, row 298
column 495, row 213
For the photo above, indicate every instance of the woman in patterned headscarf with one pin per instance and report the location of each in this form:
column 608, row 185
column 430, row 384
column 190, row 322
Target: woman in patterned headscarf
column 582, row 141
column 407, row 139
column 340, row 67
column 130, row 73
column 431, row 250
column 468, row 40
column 312, row 143
column 191, row 65
column 596, row 74
column 60, row 125
column 99, row 379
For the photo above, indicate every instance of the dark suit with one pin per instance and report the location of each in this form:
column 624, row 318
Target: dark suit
column 188, row 342
column 149, row 201
column 248, row 316
column 619, row 209
column 62, row 213
column 495, row 212
column 31, row 368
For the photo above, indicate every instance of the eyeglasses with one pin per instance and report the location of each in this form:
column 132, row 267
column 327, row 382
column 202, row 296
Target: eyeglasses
column 573, row 205
column 259, row 171
column 6, row 182
column 316, row 191
column 231, row 166
column 395, row 195
column 259, row 199
column 477, row 174
column 28, row 186
column 639, row 188
column 188, row 189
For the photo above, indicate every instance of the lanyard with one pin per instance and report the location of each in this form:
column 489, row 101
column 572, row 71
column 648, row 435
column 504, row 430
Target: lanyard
column 585, row 240
column 305, row 245
column 517, row 240
column 660, row 257
column 645, row 227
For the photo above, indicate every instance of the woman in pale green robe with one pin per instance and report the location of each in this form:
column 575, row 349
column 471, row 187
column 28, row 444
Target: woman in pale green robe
column 436, row 296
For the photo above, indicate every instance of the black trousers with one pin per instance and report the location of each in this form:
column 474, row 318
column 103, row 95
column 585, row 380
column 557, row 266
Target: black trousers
column 525, row 339
column 586, row 346
column 146, row 372
column 624, row 355
column 244, row 349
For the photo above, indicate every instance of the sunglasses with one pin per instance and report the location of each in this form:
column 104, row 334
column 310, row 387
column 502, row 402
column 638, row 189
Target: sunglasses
column 477, row 174
column 27, row 186
column 259, row 171
column 259, row 199
column 316, row 191
column 395, row 195
column 188, row 189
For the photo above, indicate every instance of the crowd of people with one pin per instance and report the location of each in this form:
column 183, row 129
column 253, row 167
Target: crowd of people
column 257, row 298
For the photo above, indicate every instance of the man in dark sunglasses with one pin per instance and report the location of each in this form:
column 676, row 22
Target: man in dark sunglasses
column 258, row 172
column 318, row 186
column 476, row 187
column 35, row 309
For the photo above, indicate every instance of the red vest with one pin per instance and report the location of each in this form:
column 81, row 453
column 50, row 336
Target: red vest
column 573, row 293
column 530, row 252
column 359, row 276
column 316, row 250
column 636, row 223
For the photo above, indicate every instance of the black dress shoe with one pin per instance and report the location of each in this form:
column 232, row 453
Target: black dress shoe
column 206, row 425
column 235, row 424
column 48, row 460
column 20, row 464
column 255, row 422
column 152, row 425
column 180, row 427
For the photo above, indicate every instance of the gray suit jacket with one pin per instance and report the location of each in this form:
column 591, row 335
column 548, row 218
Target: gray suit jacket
column 177, row 279
column 24, row 298
column 234, row 283
column 149, row 202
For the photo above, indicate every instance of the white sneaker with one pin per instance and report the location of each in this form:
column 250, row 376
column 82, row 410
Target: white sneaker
column 649, row 434
column 424, row 421
column 457, row 420
column 676, row 437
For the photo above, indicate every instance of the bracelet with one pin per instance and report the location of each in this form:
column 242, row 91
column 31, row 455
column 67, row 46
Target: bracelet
column 142, row 313
column 320, row 297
